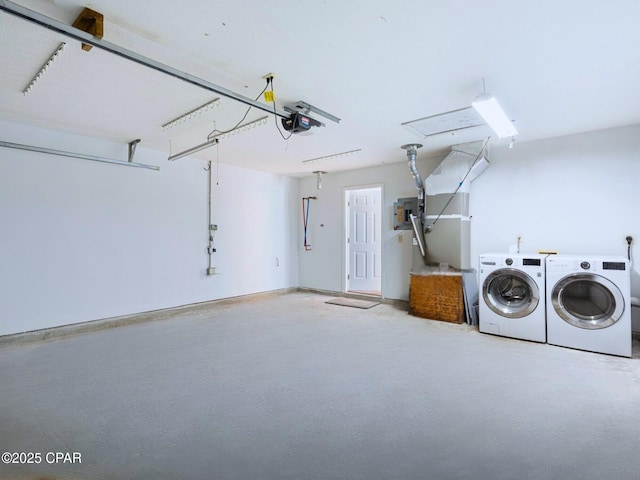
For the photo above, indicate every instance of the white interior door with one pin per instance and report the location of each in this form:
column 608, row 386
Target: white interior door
column 363, row 241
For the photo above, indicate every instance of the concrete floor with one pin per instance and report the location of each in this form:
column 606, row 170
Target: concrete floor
column 288, row 387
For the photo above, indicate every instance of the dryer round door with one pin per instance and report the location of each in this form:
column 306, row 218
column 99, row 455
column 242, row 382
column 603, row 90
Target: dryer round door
column 510, row 293
column 588, row 301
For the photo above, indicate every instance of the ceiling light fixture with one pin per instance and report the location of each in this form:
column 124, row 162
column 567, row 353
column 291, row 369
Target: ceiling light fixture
column 191, row 114
column 44, row 68
column 240, row 128
column 492, row 113
column 319, row 174
column 335, row 155
column 191, row 150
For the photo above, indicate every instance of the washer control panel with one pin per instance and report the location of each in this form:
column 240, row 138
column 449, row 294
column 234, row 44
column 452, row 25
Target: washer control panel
column 613, row 266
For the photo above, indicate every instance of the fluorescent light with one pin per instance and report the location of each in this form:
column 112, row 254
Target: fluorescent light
column 191, row 114
column 197, row 148
column 44, row 68
column 489, row 108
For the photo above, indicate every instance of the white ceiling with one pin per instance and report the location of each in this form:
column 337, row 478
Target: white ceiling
column 557, row 67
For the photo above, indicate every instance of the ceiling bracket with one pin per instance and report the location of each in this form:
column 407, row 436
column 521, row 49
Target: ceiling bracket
column 305, row 108
column 132, row 149
column 91, row 22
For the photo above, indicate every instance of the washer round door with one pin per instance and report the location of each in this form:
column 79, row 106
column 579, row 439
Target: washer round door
column 588, row 301
column 510, row 293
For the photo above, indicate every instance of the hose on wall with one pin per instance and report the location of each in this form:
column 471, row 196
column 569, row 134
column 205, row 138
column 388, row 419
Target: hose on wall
column 305, row 219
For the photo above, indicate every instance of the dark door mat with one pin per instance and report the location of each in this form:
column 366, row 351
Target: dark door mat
column 352, row 302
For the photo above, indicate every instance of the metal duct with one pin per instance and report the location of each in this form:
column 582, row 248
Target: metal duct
column 418, row 222
column 443, row 198
column 447, row 196
column 412, row 150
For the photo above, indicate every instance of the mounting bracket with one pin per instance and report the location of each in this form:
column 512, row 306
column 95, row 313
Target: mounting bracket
column 91, row 22
column 132, row 149
column 305, row 108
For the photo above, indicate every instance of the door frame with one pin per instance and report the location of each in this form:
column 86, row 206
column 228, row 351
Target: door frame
column 345, row 232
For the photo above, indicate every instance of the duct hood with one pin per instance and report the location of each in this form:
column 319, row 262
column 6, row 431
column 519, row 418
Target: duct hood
column 442, row 226
column 455, row 173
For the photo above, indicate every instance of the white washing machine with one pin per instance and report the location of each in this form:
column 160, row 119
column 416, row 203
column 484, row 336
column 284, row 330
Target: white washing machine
column 512, row 298
column 589, row 303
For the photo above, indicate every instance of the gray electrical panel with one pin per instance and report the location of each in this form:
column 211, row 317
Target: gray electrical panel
column 402, row 209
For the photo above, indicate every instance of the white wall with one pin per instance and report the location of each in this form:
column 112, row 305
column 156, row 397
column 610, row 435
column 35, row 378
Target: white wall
column 574, row 194
column 82, row 240
column 577, row 194
column 323, row 267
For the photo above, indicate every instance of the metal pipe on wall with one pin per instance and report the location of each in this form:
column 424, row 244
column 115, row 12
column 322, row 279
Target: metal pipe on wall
column 61, row 153
column 419, row 222
column 211, row 228
column 412, row 151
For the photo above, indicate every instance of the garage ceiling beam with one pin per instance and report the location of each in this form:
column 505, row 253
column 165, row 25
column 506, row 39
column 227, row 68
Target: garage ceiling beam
column 89, row 39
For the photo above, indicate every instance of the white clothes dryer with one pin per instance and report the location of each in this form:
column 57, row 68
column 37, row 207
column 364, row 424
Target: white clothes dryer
column 512, row 299
column 589, row 303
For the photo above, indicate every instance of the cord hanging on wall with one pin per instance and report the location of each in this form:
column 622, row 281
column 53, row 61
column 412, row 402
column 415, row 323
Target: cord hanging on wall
column 218, row 164
column 305, row 219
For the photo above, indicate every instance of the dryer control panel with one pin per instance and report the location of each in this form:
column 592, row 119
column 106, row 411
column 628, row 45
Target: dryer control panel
column 614, row 266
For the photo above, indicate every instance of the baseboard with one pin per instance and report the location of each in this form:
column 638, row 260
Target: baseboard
column 166, row 313
column 131, row 319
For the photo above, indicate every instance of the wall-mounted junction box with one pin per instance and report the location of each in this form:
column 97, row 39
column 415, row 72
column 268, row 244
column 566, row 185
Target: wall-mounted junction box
column 402, row 209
